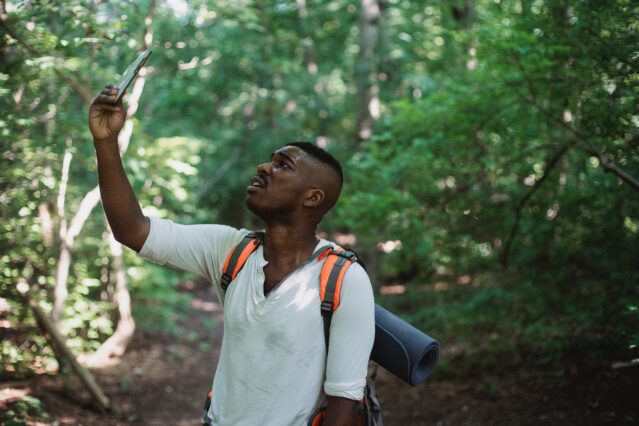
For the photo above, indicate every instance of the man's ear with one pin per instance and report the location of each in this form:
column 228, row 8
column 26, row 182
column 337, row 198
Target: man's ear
column 314, row 197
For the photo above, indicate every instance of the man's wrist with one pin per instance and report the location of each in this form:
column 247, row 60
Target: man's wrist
column 109, row 140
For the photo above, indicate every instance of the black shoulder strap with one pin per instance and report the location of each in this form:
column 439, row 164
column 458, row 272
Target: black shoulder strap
column 331, row 277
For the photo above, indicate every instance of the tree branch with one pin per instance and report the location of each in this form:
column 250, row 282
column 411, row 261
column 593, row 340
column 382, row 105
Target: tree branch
column 62, row 194
column 221, row 171
column 611, row 167
column 72, row 82
column 87, row 204
column 608, row 166
column 550, row 165
column 57, row 342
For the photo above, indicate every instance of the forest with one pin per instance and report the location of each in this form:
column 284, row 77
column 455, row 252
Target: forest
column 491, row 158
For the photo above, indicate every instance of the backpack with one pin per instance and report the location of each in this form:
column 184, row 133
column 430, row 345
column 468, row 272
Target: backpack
column 336, row 263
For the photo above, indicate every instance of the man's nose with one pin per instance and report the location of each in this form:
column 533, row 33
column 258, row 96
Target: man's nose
column 265, row 168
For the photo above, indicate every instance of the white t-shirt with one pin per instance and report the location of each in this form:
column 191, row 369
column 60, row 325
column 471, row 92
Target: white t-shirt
column 273, row 359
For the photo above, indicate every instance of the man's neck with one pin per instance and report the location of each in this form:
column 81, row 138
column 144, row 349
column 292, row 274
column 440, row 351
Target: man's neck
column 286, row 246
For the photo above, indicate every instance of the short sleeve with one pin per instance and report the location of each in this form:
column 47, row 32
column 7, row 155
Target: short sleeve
column 200, row 249
column 351, row 337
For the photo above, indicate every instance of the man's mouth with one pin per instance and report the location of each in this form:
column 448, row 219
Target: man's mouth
column 257, row 182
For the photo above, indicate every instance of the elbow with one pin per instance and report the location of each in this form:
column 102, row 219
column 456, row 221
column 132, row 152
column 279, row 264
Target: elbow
column 126, row 240
column 133, row 236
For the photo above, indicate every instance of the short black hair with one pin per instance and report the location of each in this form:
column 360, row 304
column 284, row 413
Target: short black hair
column 321, row 155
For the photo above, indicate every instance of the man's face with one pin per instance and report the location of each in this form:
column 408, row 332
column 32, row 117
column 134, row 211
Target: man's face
column 280, row 184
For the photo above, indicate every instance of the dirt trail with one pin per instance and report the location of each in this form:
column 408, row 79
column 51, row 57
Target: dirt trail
column 159, row 381
column 162, row 381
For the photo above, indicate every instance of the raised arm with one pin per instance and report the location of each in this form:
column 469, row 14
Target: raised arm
column 106, row 118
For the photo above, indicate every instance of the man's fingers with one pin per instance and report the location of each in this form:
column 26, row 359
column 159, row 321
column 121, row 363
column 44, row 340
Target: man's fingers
column 102, row 107
column 108, row 95
column 106, row 98
column 109, row 92
column 106, row 107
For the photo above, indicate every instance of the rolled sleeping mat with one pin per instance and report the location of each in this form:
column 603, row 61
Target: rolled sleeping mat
column 402, row 349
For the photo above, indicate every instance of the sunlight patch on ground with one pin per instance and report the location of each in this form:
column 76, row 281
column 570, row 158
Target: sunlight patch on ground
column 8, row 395
column 464, row 279
column 442, row 286
column 205, row 306
column 392, row 289
column 389, row 246
column 4, row 305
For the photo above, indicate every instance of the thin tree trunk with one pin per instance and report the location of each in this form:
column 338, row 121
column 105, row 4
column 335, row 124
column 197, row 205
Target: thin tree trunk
column 367, row 88
column 67, row 240
column 62, row 351
column 116, row 344
column 370, row 17
column 64, row 260
column 463, row 15
column 310, row 55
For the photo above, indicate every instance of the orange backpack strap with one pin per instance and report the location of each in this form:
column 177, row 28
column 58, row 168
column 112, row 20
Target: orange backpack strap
column 238, row 256
column 331, row 277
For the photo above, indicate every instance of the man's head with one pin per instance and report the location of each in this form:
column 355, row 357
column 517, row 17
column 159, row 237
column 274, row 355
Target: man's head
column 301, row 180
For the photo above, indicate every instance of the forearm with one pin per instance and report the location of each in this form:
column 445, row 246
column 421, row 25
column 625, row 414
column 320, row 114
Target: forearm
column 128, row 223
column 339, row 411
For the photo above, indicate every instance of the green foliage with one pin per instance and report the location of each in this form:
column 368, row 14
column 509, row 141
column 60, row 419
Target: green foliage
column 23, row 412
column 490, row 173
column 159, row 306
column 491, row 163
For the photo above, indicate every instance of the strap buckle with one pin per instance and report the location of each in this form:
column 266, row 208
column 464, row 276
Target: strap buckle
column 225, row 281
column 347, row 254
column 327, row 307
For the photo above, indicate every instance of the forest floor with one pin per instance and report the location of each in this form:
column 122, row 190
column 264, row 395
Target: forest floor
column 164, row 381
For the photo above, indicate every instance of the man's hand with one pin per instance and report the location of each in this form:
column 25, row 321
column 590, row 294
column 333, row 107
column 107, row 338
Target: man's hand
column 106, row 117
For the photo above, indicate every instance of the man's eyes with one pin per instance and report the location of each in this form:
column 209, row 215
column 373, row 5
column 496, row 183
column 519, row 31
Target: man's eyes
column 281, row 164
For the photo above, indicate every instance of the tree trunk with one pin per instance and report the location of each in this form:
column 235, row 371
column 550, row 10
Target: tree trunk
column 367, row 88
column 310, row 60
column 64, row 260
column 67, row 240
column 62, row 351
column 116, row 344
column 463, row 15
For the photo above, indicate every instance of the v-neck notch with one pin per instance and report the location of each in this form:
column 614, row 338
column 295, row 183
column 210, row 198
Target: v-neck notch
column 320, row 247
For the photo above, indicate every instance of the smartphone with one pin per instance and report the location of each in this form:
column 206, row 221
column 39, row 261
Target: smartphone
column 131, row 71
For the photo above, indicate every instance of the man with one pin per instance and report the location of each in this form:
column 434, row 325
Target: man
column 273, row 367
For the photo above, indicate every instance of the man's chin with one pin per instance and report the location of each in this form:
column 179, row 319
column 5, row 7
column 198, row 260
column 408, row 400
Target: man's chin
column 266, row 213
column 253, row 208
